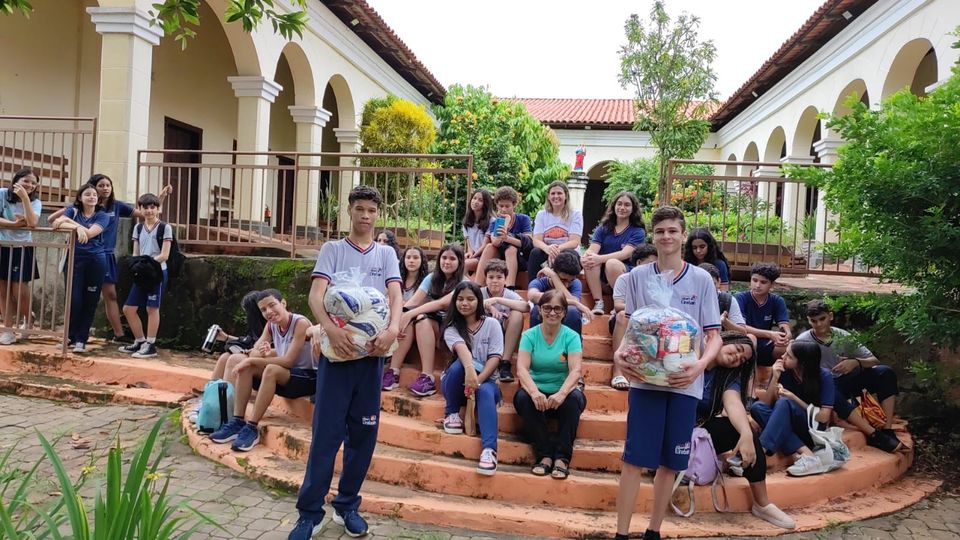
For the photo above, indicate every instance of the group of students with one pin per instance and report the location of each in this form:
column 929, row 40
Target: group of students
column 745, row 389
column 94, row 218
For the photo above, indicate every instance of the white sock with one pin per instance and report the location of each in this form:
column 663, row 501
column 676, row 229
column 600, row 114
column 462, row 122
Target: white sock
column 152, row 339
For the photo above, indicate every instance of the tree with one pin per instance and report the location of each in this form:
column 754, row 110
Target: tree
column 671, row 73
column 181, row 17
column 509, row 146
column 398, row 126
column 896, row 187
column 638, row 177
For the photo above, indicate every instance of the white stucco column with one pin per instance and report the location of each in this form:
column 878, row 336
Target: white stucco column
column 310, row 121
column 126, row 60
column 577, row 184
column 349, row 140
column 795, row 197
column 767, row 191
column 254, row 94
column 826, row 150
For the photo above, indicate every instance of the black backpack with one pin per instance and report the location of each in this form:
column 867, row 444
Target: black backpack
column 176, row 259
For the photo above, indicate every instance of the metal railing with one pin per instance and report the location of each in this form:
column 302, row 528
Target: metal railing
column 39, row 307
column 60, row 149
column 758, row 214
column 288, row 203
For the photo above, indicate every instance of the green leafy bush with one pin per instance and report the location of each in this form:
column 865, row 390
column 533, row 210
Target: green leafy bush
column 509, row 146
column 897, row 187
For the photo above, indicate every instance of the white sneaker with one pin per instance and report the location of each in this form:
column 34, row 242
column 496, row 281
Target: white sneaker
column 79, row 347
column 773, row 515
column 488, row 462
column 806, row 466
column 8, row 338
column 598, row 307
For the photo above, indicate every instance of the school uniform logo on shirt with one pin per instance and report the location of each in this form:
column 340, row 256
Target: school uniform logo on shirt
column 688, row 300
column 375, row 271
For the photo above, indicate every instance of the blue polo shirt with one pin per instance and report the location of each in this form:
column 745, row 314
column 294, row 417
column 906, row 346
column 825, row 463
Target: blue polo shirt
column 544, row 284
column 762, row 316
column 610, row 241
column 119, row 210
column 827, row 388
column 94, row 246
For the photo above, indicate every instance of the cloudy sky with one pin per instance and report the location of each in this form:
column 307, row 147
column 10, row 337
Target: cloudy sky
column 563, row 48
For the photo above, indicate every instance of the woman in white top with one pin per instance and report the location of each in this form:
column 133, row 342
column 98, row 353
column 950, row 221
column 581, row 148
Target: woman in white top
column 476, row 223
column 557, row 227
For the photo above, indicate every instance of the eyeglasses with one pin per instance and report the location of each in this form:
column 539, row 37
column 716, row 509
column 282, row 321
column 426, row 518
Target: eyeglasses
column 546, row 310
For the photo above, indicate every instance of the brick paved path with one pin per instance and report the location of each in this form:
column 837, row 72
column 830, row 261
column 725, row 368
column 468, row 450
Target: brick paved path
column 249, row 511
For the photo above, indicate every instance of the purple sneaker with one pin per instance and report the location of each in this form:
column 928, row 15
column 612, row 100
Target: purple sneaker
column 423, row 386
column 390, row 380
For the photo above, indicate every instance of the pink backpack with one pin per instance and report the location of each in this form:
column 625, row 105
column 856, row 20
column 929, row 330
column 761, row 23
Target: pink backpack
column 703, row 468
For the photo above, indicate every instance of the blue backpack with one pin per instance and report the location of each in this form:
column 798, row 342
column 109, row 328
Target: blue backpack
column 216, row 405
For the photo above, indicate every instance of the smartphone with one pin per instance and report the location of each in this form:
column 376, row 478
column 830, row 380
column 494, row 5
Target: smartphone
column 499, row 222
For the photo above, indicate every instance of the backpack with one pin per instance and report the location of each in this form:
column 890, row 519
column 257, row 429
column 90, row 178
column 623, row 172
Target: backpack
column 703, row 468
column 216, row 405
column 176, row 259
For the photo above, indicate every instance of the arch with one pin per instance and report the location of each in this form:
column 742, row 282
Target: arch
column 346, row 110
column 913, row 59
column 245, row 53
column 730, row 170
column 803, row 135
column 598, row 171
column 776, row 145
column 855, row 87
column 752, row 153
column 305, row 93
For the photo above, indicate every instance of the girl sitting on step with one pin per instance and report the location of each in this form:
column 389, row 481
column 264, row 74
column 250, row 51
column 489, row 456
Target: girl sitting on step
column 548, row 368
column 722, row 412
column 421, row 320
column 798, row 380
column 413, row 270
column 476, row 342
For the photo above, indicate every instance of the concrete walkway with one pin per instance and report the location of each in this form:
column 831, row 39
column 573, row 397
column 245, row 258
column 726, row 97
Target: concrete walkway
column 249, row 511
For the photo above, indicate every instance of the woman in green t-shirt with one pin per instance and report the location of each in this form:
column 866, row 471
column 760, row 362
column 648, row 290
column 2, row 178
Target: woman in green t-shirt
column 548, row 368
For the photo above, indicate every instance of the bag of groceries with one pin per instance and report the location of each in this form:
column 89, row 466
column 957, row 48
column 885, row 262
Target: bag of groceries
column 362, row 311
column 660, row 339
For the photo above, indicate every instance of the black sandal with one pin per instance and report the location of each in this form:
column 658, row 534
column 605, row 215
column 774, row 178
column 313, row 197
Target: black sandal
column 542, row 468
column 560, row 472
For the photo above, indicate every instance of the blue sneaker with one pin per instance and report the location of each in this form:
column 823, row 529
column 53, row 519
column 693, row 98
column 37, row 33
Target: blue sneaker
column 305, row 529
column 228, row 431
column 355, row 525
column 248, row 437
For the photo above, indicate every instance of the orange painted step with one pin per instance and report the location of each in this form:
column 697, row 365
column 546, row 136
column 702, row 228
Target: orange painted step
column 512, row 518
column 600, row 397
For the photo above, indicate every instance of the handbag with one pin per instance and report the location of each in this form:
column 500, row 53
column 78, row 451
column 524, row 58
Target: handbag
column 703, row 468
column 831, row 449
column 871, row 410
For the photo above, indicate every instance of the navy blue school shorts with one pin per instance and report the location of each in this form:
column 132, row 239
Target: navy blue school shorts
column 302, row 383
column 659, row 427
column 18, row 264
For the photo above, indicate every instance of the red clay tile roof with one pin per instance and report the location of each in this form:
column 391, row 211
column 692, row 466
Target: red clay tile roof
column 378, row 35
column 578, row 113
column 825, row 23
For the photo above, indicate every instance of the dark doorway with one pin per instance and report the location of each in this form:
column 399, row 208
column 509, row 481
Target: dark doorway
column 183, row 207
column 285, row 196
column 593, row 207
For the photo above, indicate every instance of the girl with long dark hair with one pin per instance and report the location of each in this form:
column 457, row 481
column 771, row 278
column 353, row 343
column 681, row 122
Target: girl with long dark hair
column 612, row 243
column 425, row 311
column 476, row 342
column 722, row 412
column 476, row 223
column 413, row 270
column 20, row 207
column 797, row 381
column 702, row 247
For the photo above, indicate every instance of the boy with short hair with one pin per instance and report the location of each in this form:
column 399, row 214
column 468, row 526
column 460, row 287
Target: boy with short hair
column 619, row 317
column 347, row 409
column 762, row 310
column 286, row 370
column 854, row 370
column 507, row 307
column 511, row 241
column 660, row 419
column 150, row 241
column 562, row 276
column 730, row 316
